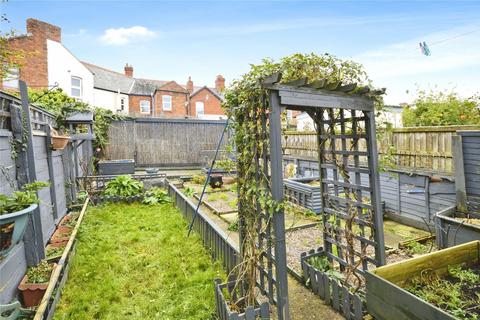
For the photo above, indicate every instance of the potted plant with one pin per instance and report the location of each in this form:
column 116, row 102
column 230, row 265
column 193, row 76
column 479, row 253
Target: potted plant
column 216, row 181
column 59, row 142
column 14, row 212
column 54, row 251
column 35, row 283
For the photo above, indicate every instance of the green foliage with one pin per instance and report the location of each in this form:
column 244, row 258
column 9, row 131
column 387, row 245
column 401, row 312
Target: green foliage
column 452, row 293
column 62, row 106
column 189, row 191
column 22, row 199
column 441, row 109
column 123, row 186
column 136, row 262
column 322, row 264
column 156, row 196
column 233, row 226
column 199, row 179
column 9, row 58
column 415, row 247
column 40, row 273
column 54, row 252
column 226, row 164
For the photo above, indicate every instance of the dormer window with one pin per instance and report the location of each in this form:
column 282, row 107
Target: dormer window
column 76, row 86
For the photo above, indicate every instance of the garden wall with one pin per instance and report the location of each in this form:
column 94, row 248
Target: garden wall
column 55, row 167
column 157, row 142
column 411, row 198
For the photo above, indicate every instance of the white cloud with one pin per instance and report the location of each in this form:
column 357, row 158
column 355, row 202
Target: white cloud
column 454, row 63
column 123, row 36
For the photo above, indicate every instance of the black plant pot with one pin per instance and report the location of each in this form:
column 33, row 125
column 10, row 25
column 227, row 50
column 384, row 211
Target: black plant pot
column 216, row 181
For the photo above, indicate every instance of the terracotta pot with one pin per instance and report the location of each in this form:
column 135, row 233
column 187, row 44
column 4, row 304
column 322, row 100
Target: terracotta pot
column 32, row 293
column 57, row 257
column 63, row 230
column 59, row 142
column 229, row 180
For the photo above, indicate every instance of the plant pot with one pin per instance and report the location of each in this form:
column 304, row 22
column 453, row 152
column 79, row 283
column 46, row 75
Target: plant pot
column 60, row 142
column 12, row 228
column 223, row 309
column 55, row 258
column 387, row 298
column 331, row 290
column 451, row 230
column 32, row 293
column 216, row 181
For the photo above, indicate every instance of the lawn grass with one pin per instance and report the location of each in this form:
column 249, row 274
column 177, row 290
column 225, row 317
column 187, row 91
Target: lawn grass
column 136, row 262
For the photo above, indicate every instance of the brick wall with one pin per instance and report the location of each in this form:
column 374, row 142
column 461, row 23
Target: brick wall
column 179, row 100
column 134, row 105
column 212, row 104
column 34, row 67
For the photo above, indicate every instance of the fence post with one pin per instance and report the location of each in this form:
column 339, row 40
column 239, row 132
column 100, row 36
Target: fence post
column 33, row 239
column 51, row 174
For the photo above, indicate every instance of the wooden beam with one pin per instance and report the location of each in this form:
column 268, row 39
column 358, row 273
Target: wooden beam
column 460, row 188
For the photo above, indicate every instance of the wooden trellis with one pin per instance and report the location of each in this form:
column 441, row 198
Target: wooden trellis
column 344, row 118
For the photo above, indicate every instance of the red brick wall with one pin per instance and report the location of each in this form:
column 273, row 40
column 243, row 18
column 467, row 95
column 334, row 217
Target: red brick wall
column 179, row 98
column 134, row 105
column 211, row 103
column 34, row 66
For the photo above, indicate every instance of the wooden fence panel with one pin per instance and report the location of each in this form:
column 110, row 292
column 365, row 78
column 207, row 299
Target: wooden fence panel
column 164, row 142
column 418, row 149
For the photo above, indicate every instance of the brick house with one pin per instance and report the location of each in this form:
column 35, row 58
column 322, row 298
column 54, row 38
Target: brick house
column 49, row 64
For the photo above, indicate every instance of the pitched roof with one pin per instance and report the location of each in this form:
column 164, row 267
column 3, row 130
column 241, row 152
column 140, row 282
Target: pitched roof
column 146, row 86
column 109, row 80
column 212, row 90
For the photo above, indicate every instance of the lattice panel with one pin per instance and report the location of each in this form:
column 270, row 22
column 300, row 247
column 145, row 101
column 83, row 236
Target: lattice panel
column 353, row 227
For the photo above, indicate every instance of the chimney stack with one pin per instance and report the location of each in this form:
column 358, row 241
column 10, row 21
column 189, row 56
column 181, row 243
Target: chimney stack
column 220, row 83
column 128, row 70
column 44, row 30
column 190, row 85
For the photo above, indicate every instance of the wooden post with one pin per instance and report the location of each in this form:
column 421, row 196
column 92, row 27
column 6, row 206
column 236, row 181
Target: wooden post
column 460, row 189
column 33, row 238
column 51, row 174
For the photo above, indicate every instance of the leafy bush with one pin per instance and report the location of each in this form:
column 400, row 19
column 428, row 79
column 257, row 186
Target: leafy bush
column 189, row 191
column 22, row 199
column 199, row 179
column 441, row 109
column 156, row 196
column 322, row 264
column 123, row 186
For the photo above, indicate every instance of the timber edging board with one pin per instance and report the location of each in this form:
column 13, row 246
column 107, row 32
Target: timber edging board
column 386, row 299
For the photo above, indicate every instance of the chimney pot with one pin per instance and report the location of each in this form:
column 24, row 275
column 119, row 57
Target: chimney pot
column 128, row 70
column 220, row 83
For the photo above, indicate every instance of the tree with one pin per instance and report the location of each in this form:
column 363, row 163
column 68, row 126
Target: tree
column 441, row 109
column 10, row 59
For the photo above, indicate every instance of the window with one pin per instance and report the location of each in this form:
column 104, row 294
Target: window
column 167, row 103
column 122, row 104
column 144, row 106
column 200, row 107
column 76, row 87
column 11, row 79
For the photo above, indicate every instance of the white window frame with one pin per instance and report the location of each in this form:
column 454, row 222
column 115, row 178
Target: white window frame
column 141, row 107
column 11, row 81
column 166, row 103
column 203, row 108
column 80, row 87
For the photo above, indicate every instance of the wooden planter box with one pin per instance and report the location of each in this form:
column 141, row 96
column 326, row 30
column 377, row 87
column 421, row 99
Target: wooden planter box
column 451, row 231
column 333, row 292
column 224, row 312
column 116, row 167
column 300, row 192
column 386, row 298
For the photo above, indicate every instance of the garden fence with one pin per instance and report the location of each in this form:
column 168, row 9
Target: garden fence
column 418, row 148
column 158, row 142
column 26, row 156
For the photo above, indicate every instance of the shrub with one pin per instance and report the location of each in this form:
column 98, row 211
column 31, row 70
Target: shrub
column 156, row 196
column 123, row 186
column 21, row 199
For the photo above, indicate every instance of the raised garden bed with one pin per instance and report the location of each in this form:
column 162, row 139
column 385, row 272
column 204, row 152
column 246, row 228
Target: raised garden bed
column 387, row 295
column 455, row 228
column 225, row 313
column 116, row 167
column 304, row 192
column 331, row 289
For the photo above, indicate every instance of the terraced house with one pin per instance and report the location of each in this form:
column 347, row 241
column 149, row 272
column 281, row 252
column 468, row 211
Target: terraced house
column 48, row 64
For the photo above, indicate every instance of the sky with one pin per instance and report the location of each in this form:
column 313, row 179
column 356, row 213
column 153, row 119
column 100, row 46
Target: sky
column 172, row 40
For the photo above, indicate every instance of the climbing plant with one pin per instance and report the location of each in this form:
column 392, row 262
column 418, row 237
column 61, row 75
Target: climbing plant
column 246, row 103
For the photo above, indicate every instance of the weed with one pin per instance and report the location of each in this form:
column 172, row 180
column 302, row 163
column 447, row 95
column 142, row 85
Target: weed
column 189, row 191
column 123, row 186
column 156, row 196
column 40, row 273
column 322, row 264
